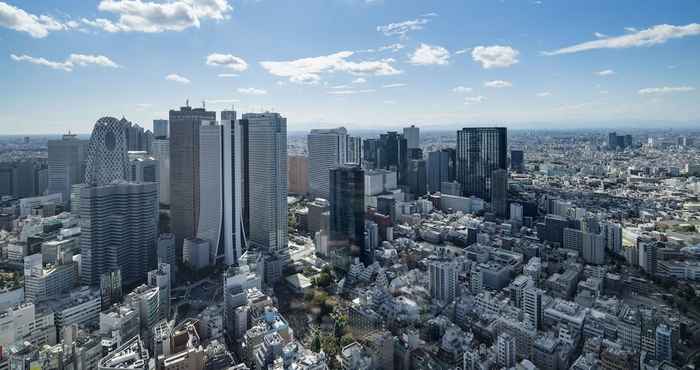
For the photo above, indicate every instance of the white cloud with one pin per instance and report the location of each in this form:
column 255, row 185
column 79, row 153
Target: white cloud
column 177, row 78
column 149, row 16
column 430, row 55
column 605, row 72
column 309, row 70
column 227, row 75
column 630, row 29
column 341, row 87
column 599, row 35
column 474, row 99
column 665, row 90
column 658, row 34
column 359, row 80
column 544, row 94
column 351, row 92
column 462, row 89
column 37, row 26
column 389, row 86
column 461, row 51
column 495, row 56
column 431, row 14
column 251, row 91
column 402, row 28
column 81, row 60
column 392, row 47
column 498, row 84
column 227, row 60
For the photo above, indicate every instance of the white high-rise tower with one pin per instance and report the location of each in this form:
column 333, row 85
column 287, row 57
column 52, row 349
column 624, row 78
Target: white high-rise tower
column 233, row 185
column 327, row 150
column 210, row 186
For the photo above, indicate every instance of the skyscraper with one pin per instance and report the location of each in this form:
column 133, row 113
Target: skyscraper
column 417, row 177
column 517, row 161
column 370, row 148
column 440, row 168
column 392, row 154
column 66, row 164
column 211, row 209
column 480, row 151
column 298, row 173
column 118, row 219
column 499, row 192
column 160, row 129
column 267, row 178
column 161, row 152
column 354, row 150
column 233, row 187
column 347, row 223
column 184, row 171
column 143, row 167
column 327, row 150
column 412, row 135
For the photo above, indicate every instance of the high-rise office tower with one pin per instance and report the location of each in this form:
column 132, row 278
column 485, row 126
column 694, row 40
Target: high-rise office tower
column 233, row 179
column 184, row 171
column 499, row 192
column 412, row 135
column 211, row 209
column 354, row 150
column 443, row 279
column 517, row 161
column 369, row 153
column 392, row 154
column 505, row 350
column 298, row 174
column 347, row 201
column 441, row 166
column 161, row 152
column 417, row 177
column 66, row 164
column 480, row 151
column 327, row 150
column 267, row 178
column 160, row 129
column 143, row 167
column 118, row 219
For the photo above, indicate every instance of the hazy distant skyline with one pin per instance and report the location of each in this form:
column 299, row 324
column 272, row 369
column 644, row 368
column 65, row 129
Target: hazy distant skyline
column 358, row 63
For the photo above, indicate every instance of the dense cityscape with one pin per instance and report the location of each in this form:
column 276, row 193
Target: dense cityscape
column 229, row 244
column 349, row 185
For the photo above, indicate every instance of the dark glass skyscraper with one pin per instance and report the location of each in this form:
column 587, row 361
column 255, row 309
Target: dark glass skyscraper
column 392, row 154
column 517, row 160
column 347, row 201
column 441, row 168
column 184, row 171
column 480, row 151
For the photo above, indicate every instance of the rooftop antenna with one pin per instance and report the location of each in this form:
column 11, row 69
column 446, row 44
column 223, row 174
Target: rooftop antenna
column 204, row 104
column 187, row 103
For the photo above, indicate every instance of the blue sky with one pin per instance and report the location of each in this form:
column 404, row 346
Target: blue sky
column 358, row 63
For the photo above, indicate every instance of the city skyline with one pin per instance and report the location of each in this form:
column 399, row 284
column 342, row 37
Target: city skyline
column 387, row 64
